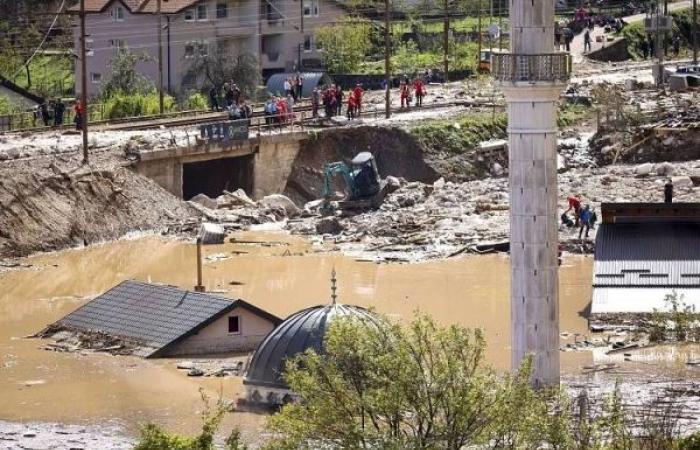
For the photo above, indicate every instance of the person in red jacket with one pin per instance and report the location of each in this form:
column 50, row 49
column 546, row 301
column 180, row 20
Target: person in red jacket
column 574, row 202
column 357, row 93
column 405, row 92
column 352, row 106
column 419, row 89
column 79, row 115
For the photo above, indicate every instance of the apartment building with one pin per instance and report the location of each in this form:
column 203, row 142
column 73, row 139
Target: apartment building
column 280, row 33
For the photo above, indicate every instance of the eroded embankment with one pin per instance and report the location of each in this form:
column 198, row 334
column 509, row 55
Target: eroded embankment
column 48, row 204
column 396, row 151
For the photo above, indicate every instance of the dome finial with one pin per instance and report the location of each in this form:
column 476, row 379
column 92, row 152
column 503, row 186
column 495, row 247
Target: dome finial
column 334, row 297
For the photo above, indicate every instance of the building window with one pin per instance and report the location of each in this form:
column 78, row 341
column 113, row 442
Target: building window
column 310, row 8
column 202, row 12
column 189, row 15
column 221, row 10
column 234, row 325
column 119, row 14
column 193, row 49
column 307, row 43
column 118, row 44
column 96, row 77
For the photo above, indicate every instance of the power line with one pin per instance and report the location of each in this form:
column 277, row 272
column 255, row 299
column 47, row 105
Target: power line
column 60, row 8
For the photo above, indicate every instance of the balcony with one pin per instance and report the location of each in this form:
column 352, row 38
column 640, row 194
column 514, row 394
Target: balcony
column 552, row 67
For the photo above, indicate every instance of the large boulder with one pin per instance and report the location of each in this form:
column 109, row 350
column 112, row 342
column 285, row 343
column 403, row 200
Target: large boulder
column 682, row 182
column 665, row 169
column 329, row 225
column 643, row 170
column 281, row 202
column 235, row 199
column 204, row 200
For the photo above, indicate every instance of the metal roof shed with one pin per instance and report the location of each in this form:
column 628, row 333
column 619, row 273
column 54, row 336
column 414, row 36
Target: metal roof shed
column 275, row 84
column 643, row 252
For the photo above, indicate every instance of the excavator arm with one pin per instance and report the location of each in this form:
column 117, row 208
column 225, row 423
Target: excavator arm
column 329, row 171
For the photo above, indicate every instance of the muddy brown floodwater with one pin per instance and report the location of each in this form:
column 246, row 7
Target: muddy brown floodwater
column 281, row 276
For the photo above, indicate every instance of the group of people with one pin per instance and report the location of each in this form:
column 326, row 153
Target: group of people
column 585, row 217
column 279, row 110
column 231, row 96
column 407, row 90
column 332, row 97
column 51, row 113
column 294, row 86
column 647, row 47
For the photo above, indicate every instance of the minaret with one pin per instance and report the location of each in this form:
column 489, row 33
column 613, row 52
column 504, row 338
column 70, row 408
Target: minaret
column 334, row 296
column 532, row 77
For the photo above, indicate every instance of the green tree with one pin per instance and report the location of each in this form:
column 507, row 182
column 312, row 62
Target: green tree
column 345, row 45
column 123, row 76
column 215, row 65
column 392, row 387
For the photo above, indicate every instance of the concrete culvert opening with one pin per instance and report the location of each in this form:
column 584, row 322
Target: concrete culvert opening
column 215, row 176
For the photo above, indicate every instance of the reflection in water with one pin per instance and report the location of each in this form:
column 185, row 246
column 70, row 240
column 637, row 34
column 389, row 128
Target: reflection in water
column 472, row 291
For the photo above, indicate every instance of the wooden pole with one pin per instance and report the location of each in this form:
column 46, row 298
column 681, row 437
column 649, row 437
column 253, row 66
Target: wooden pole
column 500, row 24
column 478, row 14
column 83, row 78
column 446, row 37
column 200, row 286
column 695, row 31
column 387, row 57
column 160, row 58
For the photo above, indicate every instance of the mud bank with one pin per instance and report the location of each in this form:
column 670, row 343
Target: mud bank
column 396, row 151
column 51, row 203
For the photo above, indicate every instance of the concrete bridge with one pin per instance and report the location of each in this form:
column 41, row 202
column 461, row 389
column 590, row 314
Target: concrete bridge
column 224, row 160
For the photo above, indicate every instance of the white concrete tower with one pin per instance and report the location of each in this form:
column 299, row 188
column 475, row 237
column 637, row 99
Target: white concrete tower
column 532, row 77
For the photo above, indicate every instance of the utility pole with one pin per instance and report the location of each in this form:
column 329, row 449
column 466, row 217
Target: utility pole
column 695, row 31
column 387, row 57
column 500, row 24
column 160, row 58
column 446, row 44
column 301, row 30
column 83, row 81
column 478, row 14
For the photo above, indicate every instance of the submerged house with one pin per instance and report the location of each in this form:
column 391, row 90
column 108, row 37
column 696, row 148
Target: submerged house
column 643, row 253
column 167, row 321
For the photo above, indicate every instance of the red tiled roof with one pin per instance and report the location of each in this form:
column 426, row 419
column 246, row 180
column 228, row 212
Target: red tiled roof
column 166, row 6
column 98, row 6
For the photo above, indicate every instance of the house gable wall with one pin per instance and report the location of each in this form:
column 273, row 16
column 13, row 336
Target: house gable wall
column 215, row 338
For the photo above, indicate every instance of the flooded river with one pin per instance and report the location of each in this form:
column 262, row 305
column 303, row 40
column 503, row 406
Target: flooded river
column 282, row 276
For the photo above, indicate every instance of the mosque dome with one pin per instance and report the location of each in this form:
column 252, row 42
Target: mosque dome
column 301, row 331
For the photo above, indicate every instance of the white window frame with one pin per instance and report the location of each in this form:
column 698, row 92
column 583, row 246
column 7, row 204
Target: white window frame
column 240, row 326
column 189, row 12
column 311, row 8
column 225, row 9
column 119, row 10
column 199, row 8
column 98, row 81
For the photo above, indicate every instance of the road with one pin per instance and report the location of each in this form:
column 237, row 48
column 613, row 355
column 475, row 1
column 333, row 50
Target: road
column 577, row 44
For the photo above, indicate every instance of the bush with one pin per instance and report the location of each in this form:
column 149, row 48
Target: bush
column 153, row 437
column 120, row 104
column 6, row 106
column 196, row 100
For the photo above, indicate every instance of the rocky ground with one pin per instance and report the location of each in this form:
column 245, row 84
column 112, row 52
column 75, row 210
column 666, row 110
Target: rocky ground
column 56, row 436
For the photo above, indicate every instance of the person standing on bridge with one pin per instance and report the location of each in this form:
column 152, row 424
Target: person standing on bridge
column 357, row 93
column 668, row 191
column 315, row 101
column 235, row 93
column 339, row 100
column 59, row 108
column 79, row 113
column 587, row 41
column 419, row 89
column 213, row 99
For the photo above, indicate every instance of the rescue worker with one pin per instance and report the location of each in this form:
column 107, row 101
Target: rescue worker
column 574, row 202
column 405, row 93
column 585, row 220
column 668, row 191
column 419, row 90
column 352, row 106
column 339, row 100
column 587, row 41
column 357, row 92
column 79, row 113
